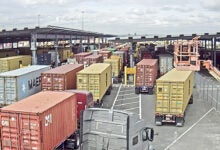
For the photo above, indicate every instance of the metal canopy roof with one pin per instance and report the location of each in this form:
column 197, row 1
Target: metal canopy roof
column 47, row 33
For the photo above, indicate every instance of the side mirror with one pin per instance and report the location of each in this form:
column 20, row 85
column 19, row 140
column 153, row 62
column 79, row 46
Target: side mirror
column 148, row 134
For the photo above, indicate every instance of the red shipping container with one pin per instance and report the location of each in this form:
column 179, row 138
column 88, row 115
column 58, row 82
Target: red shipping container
column 91, row 59
column 60, row 78
column 105, row 54
column 80, row 56
column 146, row 74
column 39, row 122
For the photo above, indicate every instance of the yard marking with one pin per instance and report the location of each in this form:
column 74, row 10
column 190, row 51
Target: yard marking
column 126, row 104
column 116, row 96
column 140, row 106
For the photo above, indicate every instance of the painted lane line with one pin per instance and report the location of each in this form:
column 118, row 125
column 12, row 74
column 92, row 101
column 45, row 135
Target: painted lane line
column 126, row 104
column 140, row 106
column 131, row 108
column 126, row 91
column 116, row 96
column 167, row 148
column 126, row 94
column 123, row 99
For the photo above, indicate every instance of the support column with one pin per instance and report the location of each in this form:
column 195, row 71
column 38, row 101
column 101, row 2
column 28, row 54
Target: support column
column 214, row 56
column 56, row 52
column 34, row 48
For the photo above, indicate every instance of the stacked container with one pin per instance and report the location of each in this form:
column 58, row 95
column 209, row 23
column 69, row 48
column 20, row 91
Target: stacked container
column 80, row 57
column 122, row 56
column 126, row 51
column 60, row 78
column 95, row 78
column 20, row 83
column 105, row 54
column 165, row 63
column 174, row 92
column 41, row 121
column 14, row 62
column 64, row 54
column 119, row 59
column 146, row 74
column 91, row 59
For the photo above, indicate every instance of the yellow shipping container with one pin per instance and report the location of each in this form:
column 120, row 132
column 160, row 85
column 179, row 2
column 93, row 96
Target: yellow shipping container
column 115, row 66
column 174, row 91
column 95, row 78
column 14, row 62
column 120, row 60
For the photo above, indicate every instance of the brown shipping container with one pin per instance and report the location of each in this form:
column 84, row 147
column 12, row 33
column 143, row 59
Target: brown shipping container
column 80, row 56
column 105, row 54
column 91, row 59
column 146, row 74
column 41, row 121
column 60, row 78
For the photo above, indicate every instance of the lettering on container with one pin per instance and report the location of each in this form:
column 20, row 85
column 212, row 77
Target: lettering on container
column 48, row 120
column 34, row 82
column 5, row 123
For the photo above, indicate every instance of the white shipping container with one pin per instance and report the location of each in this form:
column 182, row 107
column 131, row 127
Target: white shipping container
column 20, row 83
column 165, row 63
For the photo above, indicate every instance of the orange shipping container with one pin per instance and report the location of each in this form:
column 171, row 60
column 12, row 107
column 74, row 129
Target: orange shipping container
column 60, row 78
column 80, row 57
column 105, row 54
column 91, row 59
column 39, row 122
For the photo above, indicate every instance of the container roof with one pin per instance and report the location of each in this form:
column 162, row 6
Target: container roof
column 38, row 103
column 22, row 71
column 63, row 69
column 175, row 76
column 149, row 62
column 96, row 68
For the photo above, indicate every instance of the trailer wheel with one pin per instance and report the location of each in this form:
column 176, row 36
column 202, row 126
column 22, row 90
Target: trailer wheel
column 76, row 145
column 191, row 100
column 180, row 121
column 158, row 121
column 137, row 91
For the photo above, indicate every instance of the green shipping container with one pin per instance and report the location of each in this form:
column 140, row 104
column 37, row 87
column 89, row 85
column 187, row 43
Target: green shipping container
column 96, row 79
column 174, row 91
column 14, row 62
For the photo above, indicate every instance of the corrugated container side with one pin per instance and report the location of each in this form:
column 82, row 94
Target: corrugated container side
column 42, row 124
column 146, row 72
column 60, row 78
column 165, row 63
column 120, row 61
column 174, row 92
column 121, row 54
column 105, row 54
column 96, row 78
column 20, row 83
column 80, row 56
column 14, row 62
column 91, row 59
column 114, row 65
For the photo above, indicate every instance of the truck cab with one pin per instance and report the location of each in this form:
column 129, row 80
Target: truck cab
column 107, row 129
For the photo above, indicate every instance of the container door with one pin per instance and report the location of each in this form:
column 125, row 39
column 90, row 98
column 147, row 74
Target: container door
column 10, row 90
column 29, row 132
column 176, row 98
column 10, row 131
column 162, row 98
column 46, row 82
column 58, row 82
column 94, row 86
column 2, row 90
column 82, row 82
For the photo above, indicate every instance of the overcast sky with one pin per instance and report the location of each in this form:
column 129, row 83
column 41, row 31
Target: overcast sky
column 115, row 16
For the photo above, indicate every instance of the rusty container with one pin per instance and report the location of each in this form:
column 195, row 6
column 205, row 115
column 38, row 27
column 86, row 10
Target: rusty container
column 39, row 122
column 80, row 57
column 106, row 54
column 60, row 78
column 146, row 74
column 126, row 51
column 91, row 59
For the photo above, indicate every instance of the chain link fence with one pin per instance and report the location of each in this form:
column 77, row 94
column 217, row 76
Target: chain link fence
column 209, row 89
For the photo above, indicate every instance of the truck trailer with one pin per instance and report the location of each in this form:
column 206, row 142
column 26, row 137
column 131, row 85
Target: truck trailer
column 108, row 129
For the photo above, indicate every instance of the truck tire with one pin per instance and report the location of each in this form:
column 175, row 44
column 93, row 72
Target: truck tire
column 180, row 121
column 137, row 91
column 158, row 121
column 76, row 145
column 191, row 100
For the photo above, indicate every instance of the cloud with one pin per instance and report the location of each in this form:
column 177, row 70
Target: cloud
column 212, row 5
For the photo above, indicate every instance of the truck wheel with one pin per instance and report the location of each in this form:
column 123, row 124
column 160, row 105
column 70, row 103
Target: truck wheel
column 191, row 100
column 180, row 121
column 158, row 121
column 76, row 145
column 137, row 91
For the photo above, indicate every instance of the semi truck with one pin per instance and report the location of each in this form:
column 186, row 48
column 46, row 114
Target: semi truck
column 108, row 129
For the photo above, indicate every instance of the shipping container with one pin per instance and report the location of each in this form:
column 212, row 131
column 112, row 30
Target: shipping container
column 165, row 63
column 39, row 122
column 146, row 55
column 122, row 56
column 106, row 54
column 91, row 59
column 20, row 83
column 8, row 53
column 115, row 67
column 146, row 74
column 120, row 61
column 80, row 56
column 44, row 59
column 65, row 53
column 60, row 78
column 173, row 93
column 14, row 62
column 84, row 100
column 127, row 58
column 97, row 79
